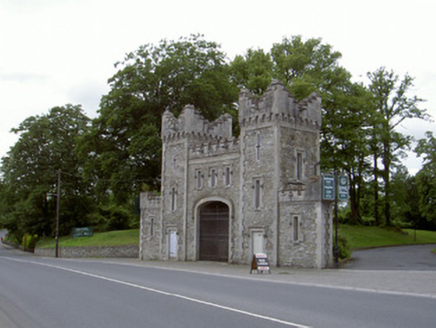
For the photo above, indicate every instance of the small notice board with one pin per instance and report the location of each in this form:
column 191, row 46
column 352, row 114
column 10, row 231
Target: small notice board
column 82, row 232
column 260, row 263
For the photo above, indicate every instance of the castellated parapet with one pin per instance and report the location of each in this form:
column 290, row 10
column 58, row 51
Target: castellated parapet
column 224, row 198
column 278, row 104
column 190, row 122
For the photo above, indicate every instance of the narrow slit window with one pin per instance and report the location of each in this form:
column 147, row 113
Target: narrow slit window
column 198, row 179
column 257, row 193
column 173, row 199
column 213, row 178
column 227, row 176
column 299, row 166
column 295, row 228
column 151, row 227
column 257, row 147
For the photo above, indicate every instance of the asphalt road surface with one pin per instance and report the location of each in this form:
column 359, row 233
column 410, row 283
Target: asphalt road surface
column 414, row 257
column 44, row 293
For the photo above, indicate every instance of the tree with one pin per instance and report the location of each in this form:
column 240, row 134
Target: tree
column 426, row 178
column 345, row 135
column 123, row 145
column 46, row 144
column 306, row 66
column 392, row 106
column 254, row 71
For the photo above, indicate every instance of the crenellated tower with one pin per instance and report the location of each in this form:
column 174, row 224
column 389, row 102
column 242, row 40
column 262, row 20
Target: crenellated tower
column 280, row 151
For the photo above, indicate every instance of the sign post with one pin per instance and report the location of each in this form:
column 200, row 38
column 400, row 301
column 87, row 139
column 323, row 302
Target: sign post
column 335, row 188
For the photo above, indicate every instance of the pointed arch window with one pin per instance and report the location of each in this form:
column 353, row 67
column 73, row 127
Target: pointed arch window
column 227, row 176
column 213, row 177
column 198, row 179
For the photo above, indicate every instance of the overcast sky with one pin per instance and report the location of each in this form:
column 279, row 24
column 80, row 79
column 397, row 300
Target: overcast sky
column 55, row 52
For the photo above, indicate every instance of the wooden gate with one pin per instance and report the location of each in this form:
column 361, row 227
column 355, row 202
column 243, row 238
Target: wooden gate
column 214, row 232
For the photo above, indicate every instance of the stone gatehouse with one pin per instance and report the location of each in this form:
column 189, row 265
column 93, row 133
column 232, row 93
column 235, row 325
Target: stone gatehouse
column 225, row 198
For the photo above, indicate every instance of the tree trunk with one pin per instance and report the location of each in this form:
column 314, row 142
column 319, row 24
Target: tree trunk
column 354, row 200
column 376, row 216
column 386, row 177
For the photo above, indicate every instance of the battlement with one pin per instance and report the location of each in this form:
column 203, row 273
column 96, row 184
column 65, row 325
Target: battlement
column 192, row 123
column 278, row 104
column 214, row 147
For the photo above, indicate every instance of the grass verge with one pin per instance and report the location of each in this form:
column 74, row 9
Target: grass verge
column 111, row 238
column 357, row 236
column 362, row 237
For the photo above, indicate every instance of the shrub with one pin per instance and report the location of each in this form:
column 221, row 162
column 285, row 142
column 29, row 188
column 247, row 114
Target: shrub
column 344, row 248
column 32, row 241
column 115, row 218
column 29, row 241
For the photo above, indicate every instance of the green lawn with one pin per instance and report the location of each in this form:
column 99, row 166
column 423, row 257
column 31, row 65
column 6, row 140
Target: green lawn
column 360, row 236
column 357, row 236
column 112, row 238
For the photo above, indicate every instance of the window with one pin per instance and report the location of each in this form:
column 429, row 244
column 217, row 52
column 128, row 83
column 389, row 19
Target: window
column 213, row 178
column 257, row 193
column 151, row 227
column 296, row 233
column 198, row 179
column 299, row 166
column 295, row 229
column 257, row 147
column 173, row 199
column 174, row 163
column 227, row 176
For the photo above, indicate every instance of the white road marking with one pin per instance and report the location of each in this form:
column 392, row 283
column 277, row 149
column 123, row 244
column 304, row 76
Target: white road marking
column 186, row 298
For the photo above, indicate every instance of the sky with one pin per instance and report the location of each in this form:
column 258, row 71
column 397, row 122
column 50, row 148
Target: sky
column 57, row 52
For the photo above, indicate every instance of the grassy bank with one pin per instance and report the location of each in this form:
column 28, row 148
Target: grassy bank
column 111, row 238
column 361, row 237
column 357, row 236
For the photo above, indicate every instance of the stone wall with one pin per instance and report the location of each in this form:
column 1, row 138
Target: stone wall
column 126, row 251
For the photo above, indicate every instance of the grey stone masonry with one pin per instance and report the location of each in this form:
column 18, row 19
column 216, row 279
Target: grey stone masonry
column 125, row 251
column 225, row 198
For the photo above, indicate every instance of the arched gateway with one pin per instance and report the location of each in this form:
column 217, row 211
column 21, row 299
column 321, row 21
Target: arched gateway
column 214, row 232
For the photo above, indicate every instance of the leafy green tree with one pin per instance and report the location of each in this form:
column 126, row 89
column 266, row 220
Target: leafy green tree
column 392, row 106
column 401, row 184
column 426, row 178
column 253, row 71
column 306, row 66
column 123, row 148
column 344, row 143
column 46, row 144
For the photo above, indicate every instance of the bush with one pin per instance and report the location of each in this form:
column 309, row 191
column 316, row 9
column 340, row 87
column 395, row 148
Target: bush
column 344, row 248
column 114, row 218
column 32, row 242
column 28, row 242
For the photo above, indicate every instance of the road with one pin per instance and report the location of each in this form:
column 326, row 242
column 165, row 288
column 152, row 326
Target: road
column 411, row 257
column 43, row 293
